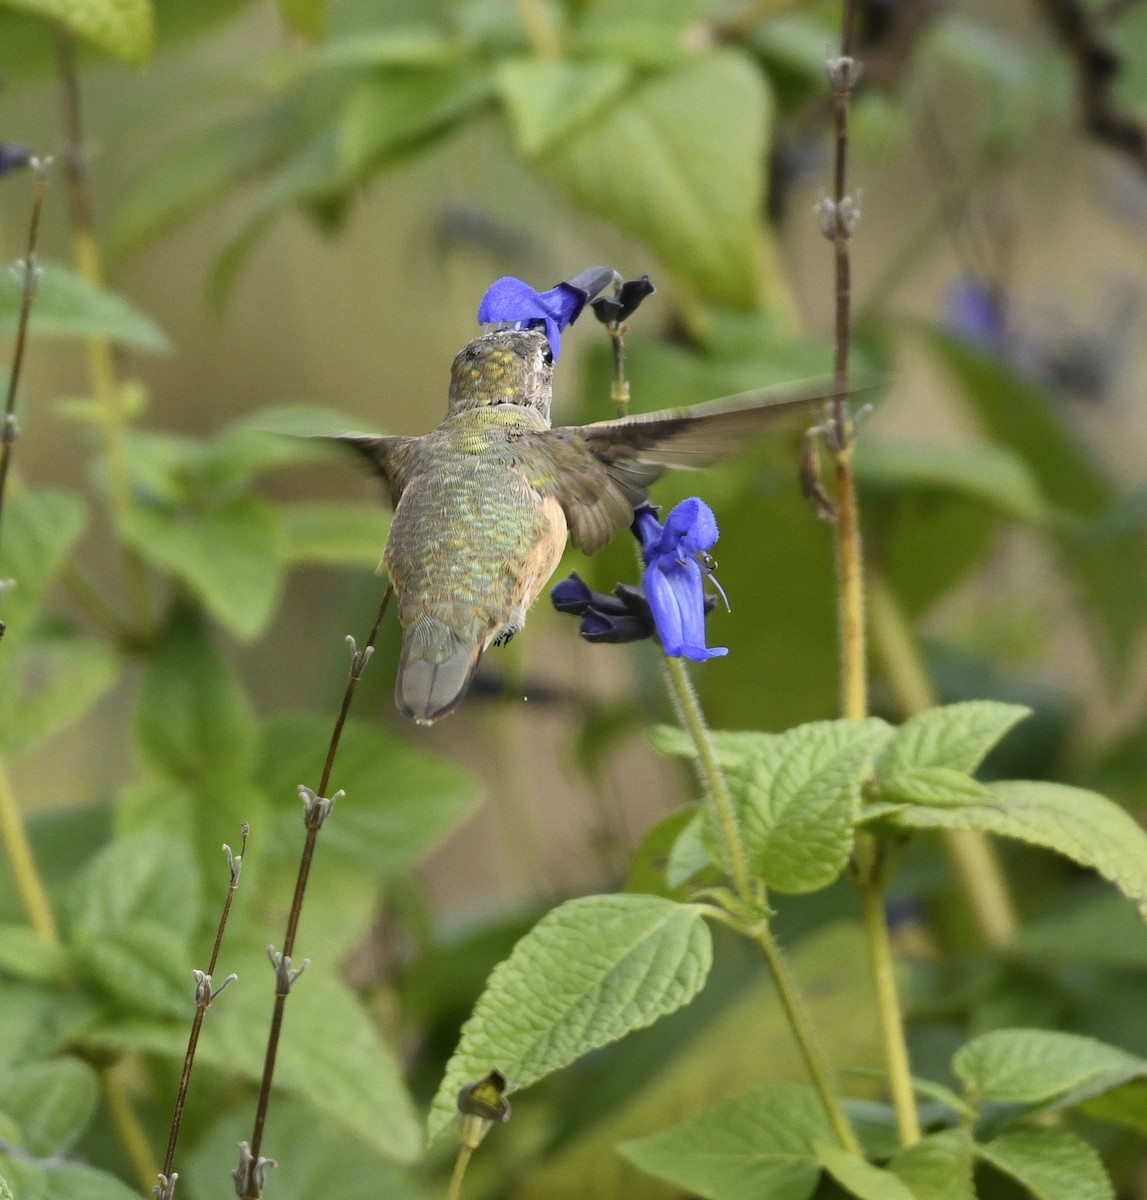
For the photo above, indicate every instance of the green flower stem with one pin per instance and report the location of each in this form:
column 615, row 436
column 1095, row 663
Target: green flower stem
column 460, row 1165
column 689, row 710
column 29, row 884
column 973, row 854
column 891, row 1018
column 101, row 364
column 818, row 1068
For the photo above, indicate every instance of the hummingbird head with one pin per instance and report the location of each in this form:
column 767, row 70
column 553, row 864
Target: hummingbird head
column 508, row 366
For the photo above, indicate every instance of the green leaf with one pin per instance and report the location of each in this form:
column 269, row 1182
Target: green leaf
column 1022, row 417
column 140, row 966
column 343, row 535
column 1097, row 930
column 51, row 1103
column 763, row 1144
column 1030, row 1066
column 1081, row 825
column 317, row 1159
column 308, row 17
column 39, row 1021
column 69, row 306
column 931, row 757
column 651, row 861
column 400, row 108
column 860, row 1178
column 194, row 720
column 331, row 1055
column 938, row 1168
column 26, row 955
column 796, row 795
column 230, row 557
column 678, row 162
column 399, row 804
column 124, row 28
column 987, row 473
column 1053, row 1164
column 66, row 1181
column 610, row 964
column 1125, row 1105
column 40, row 530
column 147, row 878
column 546, row 100
column 49, row 678
column 688, row 856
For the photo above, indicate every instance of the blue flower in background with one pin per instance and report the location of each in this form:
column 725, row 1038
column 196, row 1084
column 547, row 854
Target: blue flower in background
column 677, row 563
column 510, row 301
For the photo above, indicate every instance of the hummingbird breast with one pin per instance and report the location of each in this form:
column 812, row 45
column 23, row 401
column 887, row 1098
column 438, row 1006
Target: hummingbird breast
column 472, row 543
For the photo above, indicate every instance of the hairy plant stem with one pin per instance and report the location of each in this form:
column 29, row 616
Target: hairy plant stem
column 867, row 857
column 205, row 993
column 8, row 429
column 974, row 857
column 757, row 929
column 101, row 365
column 248, row 1186
column 459, row 1173
column 29, row 883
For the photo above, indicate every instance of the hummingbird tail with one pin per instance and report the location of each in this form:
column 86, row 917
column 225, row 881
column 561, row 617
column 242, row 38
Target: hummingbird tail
column 434, row 672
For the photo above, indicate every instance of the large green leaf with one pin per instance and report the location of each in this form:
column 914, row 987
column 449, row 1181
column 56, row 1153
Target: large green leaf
column 796, row 795
column 1030, row 1066
column 67, row 305
column 51, row 1103
column 62, row 1181
column 40, row 528
column 588, row 973
column 140, row 966
column 931, row 757
column 146, row 878
column 308, row 17
column 124, row 28
column 677, row 161
column 48, row 679
column 1081, row 825
column 399, row 803
column 860, row 1178
column 1053, row 1164
column 344, row 535
column 547, row 99
column 40, row 1020
column 331, row 1056
column 939, row 1167
column 763, row 1144
column 230, row 557
column 194, row 720
column 1022, row 417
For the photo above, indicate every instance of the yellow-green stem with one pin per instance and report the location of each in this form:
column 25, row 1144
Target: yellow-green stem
column 540, row 28
column 817, row 1067
column 973, row 855
column 460, row 1165
column 101, row 364
column 128, row 1129
column 891, row 1018
column 689, row 710
column 29, row 884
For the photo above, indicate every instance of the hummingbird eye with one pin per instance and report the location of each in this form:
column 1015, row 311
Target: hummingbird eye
column 547, row 355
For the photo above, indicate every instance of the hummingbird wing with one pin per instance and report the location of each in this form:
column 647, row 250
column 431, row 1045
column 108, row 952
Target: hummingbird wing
column 604, row 470
column 391, row 457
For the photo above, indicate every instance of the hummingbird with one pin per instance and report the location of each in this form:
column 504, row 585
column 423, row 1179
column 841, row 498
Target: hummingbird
column 484, row 503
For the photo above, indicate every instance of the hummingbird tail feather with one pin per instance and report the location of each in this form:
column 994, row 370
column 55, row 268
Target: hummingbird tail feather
column 434, row 672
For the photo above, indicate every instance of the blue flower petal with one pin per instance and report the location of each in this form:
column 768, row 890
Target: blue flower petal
column 510, row 301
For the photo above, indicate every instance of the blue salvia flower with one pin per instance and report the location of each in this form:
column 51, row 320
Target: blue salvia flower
column 677, row 562
column 510, row 301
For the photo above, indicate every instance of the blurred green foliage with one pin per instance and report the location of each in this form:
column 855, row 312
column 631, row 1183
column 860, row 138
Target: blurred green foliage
column 681, row 130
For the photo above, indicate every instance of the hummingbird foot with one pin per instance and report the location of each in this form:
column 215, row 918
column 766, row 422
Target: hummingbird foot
column 505, row 635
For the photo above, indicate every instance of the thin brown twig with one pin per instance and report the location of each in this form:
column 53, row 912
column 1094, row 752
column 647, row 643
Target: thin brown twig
column 27, row 267
column 205, row 993
column 249, row 1174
